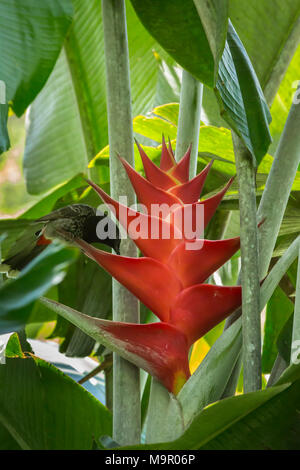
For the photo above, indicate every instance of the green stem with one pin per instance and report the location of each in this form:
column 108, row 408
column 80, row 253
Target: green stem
column 278, row 271
column 109, row 388
column 189, row 119
column 126, row 396
column 278, row 187
column 250, row 267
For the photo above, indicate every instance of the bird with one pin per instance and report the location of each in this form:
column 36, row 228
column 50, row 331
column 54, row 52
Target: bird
column 75, row 221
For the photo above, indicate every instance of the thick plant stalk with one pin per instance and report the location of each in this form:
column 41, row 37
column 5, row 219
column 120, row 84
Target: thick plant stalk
column 189, row 119
column 250, row 268
column 126, row 393
column 275, row 196
column 278, row 187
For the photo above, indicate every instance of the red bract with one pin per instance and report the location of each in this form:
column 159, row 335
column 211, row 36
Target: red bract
column 169, row 277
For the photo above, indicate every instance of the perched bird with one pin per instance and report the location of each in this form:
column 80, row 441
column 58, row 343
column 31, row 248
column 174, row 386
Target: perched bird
column 68, row 223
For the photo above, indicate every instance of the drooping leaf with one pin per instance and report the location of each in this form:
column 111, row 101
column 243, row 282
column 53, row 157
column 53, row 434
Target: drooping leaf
column 241, row 98
column 17, row 296
column 279, row 309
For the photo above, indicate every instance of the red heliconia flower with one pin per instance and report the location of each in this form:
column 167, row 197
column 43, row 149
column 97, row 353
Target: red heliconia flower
column 169, row 277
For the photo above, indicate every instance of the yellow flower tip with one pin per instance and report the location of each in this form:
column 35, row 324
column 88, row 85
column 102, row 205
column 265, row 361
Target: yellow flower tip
column 179, row 380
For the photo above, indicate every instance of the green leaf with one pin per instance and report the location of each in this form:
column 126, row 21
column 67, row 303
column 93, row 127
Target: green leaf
column 17, row 296
column 241, row 98
column 55, row 148
column 13, row 229
column 284, row 339
column 26, row 60
column 7, row 442
column 270, row 53
column 42, row 408
column 193, row 33
column 283, row 100
column 4, row 138
column 154, row 127
column 145, row 400
column 46, row 204
column 68, row 120
column 26, row 29
column 238, row 91
column 279, row 309
column 94, row 298
column 214, row 15
column 262, row 420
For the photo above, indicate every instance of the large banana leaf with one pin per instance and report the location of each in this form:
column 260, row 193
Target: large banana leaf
column 42, row 408
column 261, row 420
column 26, row 60
column 193, row 32
column 68, row 120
